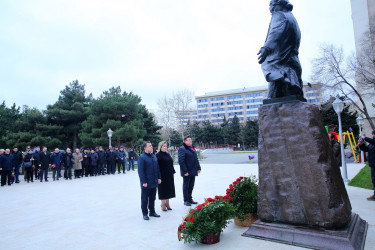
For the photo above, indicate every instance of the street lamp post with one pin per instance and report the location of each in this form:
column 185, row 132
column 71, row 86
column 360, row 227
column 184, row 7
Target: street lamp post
column 338, row 106
column 109, row 133
column 360, row 123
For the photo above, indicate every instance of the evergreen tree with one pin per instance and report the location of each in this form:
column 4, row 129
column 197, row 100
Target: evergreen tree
column 234, row 130
column 31, row 129
column 224, row 130
column 70, row 111
column 176, row 140
column 196, row 133
column 211, row 134
column 249, row 133
column 122, row 112
column 8, row 117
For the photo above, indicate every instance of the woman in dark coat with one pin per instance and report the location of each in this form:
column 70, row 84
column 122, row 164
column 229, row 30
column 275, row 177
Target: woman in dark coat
column 166, row 188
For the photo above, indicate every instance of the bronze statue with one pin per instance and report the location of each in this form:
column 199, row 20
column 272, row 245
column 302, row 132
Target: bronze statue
column 279, row 54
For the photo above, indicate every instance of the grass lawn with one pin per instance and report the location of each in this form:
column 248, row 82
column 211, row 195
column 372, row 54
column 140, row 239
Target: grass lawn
column 362, row 179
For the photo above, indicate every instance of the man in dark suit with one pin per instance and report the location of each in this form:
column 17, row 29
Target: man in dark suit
column 190, row 167
column 7, row 164
column 101, row 160
column 149, row 176
column 44, row 163
column 111, row 162
column 17, row 155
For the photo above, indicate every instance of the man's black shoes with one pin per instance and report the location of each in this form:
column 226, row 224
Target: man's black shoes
column 186, row 203
column 154, row 215
column 145, row 217
column 193, row 202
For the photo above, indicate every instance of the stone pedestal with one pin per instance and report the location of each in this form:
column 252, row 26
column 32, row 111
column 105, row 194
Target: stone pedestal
column 351, row 237
column 299, row 180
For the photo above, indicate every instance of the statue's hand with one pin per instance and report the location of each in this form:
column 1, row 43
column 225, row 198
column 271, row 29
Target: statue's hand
column 263, row 52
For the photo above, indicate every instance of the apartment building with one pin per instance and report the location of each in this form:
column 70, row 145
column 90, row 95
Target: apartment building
column 244, row 103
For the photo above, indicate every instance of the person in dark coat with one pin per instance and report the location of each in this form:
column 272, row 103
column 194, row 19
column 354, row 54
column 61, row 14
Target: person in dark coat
column 336, row 149
column 279, row 54
column 149, row 177
column 17, row 161
column 166, row 188
column 132, row 156
column 189, row 168
column 93, row 163
column 56, row 160
column 370, row 149
column 111, row 161
column 121, row 155
column 36, row 162
column 86, row 162
column 101, row 161
column 1, row 153
column 28, row 161
column 7, row 163
column 44, row 163
column 68, row 164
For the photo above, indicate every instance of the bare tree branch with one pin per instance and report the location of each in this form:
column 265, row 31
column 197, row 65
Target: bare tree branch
column 336, row 73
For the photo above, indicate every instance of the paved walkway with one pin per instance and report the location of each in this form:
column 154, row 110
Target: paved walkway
column 104, row 213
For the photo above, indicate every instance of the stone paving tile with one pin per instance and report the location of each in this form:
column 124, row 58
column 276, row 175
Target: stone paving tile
column 104, row 213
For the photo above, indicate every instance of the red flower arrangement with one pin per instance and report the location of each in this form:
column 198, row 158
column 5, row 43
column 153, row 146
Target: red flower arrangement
column 243, row 195
column 13, row 175
column 208, row 218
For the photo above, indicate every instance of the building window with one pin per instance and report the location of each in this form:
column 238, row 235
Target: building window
column 217, row 99
column 218, row 115
column 234, row 102
column 253, row 106
column 203, row 111
column 235, row 113
column 254, row 95
column 202, row 100
column 252, row 112
column 235, row 108
column 203, row 106
column 217, row 104
column 234, row 97
column 254, row 100
column 217, row 110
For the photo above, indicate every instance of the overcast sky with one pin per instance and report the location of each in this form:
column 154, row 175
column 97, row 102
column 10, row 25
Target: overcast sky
column 149, row 47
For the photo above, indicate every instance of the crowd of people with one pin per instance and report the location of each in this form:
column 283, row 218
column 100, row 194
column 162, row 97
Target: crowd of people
column 35, row 163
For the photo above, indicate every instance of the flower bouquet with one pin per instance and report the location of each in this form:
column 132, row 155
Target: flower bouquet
column 205, row 223
column 12, row 175
column 243, row 195
column 53, row 166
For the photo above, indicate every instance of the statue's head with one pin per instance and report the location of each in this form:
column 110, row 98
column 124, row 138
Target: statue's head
column 280, row 5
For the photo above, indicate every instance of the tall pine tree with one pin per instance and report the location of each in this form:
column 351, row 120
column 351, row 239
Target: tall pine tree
column 70, row 111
